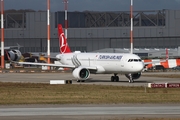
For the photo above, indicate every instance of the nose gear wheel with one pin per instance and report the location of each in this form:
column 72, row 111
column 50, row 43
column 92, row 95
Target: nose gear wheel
column 130, row 78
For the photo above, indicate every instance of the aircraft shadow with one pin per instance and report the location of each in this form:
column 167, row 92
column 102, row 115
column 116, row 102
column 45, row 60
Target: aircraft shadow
column 108, row 81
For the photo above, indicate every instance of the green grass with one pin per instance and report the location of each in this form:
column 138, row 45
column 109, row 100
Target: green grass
column 38, row 93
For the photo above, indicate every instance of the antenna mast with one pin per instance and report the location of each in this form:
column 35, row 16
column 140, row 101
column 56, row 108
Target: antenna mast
column 2, row 34
column 48, row 32
column 131, row 27
column 66, row 22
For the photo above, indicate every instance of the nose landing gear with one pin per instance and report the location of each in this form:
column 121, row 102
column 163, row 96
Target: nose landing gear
column 130, row 78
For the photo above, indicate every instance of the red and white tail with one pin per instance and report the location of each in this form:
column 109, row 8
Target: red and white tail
column 64, row 47
column 167, row 54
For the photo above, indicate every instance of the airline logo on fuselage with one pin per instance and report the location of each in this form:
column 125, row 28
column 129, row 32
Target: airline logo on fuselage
column 110, row 57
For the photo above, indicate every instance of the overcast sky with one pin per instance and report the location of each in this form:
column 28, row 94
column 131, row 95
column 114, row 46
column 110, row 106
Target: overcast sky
column 93, row 5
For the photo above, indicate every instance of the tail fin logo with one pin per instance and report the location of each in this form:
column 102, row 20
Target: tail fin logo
column 64, row 48
column 63, row 44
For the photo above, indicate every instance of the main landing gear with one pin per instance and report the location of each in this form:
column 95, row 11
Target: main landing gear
column 114, row 78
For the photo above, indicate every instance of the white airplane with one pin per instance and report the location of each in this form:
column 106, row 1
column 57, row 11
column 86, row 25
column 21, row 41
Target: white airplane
column 12, row 54
column 83, row 64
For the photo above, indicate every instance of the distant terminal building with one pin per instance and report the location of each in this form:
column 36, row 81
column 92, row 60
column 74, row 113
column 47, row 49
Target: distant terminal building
column 89, row 31
column 146, row 52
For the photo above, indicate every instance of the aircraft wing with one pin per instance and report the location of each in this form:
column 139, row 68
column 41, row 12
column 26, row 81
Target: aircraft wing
column 11, row 47
column 46, row 64
column 57, row 65
column 6, row 48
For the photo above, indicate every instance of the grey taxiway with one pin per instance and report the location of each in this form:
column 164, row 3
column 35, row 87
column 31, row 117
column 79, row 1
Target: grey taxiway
column 120, row 111
column 102, row 79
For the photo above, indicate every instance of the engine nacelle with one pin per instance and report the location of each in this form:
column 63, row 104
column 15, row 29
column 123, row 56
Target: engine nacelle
column 81, row 73
column 134, row 76
column 14, row 55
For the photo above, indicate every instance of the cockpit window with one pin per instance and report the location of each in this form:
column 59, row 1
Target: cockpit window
column 130, row 60
column 134, row 60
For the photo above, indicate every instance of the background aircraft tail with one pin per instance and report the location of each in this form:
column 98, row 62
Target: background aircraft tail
column 167, row 54
column 64, row 47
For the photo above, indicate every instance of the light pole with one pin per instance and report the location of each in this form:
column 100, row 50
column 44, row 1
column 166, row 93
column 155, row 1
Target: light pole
column 2, row 34
column 131, row 27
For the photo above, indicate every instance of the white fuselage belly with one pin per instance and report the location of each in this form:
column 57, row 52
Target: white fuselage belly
column 104, row 62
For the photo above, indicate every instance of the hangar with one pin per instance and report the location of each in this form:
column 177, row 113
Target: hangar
column 146, row 52
column 90, row 31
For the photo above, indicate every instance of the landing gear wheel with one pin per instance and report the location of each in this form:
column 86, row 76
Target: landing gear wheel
column 80, row 80
column 112, row 78
column 130, row 79
column 117, row 78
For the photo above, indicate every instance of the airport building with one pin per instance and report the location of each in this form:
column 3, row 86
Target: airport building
column 96, row 31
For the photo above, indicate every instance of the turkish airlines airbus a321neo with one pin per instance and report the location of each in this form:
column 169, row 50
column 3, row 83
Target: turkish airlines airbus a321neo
column 83, row 64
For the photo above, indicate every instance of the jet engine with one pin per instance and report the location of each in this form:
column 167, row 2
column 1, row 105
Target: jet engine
column 81, row 73
column 134, row 76
column 14, row 55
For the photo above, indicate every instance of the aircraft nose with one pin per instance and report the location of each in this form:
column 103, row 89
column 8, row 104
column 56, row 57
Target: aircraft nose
column 139, row 66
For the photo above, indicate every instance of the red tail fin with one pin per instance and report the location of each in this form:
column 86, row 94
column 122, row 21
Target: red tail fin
column 64, row 47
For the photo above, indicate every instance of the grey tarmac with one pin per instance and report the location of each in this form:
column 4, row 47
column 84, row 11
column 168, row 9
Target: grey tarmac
column 97, row 112
column 100, row 79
